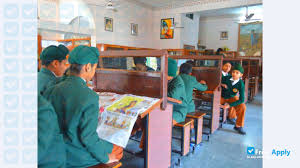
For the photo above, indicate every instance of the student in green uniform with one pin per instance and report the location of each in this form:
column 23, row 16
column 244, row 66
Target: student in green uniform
column 51, row 147
column 176, row 90
column 53, row 65
column 190, row 83
column 77, row 109
column 232, row 86
column 226, row 69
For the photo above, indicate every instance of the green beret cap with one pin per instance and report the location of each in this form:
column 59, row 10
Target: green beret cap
column 172, row 67
column 239, row 67
column 84, row 55
column 53, row 52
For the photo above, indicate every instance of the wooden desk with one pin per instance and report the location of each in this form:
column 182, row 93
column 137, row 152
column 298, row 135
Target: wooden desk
column 150, row 84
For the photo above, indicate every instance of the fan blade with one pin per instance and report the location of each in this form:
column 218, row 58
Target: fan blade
column 99, row 5
column 249, row 16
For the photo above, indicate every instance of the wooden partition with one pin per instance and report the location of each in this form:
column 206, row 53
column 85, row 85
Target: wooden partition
column 116, row 63
column 183, row 52
column 151, row 84
column 230, row 54
column 39, row 38
column 252, row 64
column 212, row 76
column 76, row 42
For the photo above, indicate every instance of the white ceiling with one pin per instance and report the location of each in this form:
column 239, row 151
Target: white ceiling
column 153, row 3
column 158, row 4
column 165, row 3
column 241, row 11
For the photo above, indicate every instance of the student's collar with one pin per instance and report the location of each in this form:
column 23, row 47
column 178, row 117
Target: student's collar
column 83, row 79
column 46, row 70
column 77, row 78
column 54, row 74
column 234, row 81
column 224, row 73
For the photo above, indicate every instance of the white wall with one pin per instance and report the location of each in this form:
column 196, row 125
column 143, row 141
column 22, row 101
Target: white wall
column 53, row 23
column 127, row 13
column 165, row 43
column 209, row 32
column 148, row 21
column 189, row 34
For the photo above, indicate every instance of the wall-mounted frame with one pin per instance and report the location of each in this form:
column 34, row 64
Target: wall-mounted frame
column 134, row 29
column 108, row 24
column 166, row 28
column 224, row 35
column 250, row 39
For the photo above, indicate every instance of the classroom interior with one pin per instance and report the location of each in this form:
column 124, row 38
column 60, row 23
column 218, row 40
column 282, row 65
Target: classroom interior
column 125, row 29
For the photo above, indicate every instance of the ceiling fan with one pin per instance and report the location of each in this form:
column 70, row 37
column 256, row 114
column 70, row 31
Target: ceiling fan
column 248, row 17
column 109, row 5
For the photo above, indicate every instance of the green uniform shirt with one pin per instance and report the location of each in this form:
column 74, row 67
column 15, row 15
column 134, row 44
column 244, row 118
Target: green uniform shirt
column 51, row 147
column 223, row 78
column 77, row 109
column 176, row 90
column 46, row 79
column 231, row 91
column 191, row 83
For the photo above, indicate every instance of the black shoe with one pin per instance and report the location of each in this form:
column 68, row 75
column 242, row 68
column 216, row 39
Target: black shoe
column 231, row 121
column 140, row 154
column 240, row 130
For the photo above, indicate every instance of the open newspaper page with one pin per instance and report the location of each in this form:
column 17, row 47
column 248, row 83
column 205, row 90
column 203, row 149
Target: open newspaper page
column 119, row 116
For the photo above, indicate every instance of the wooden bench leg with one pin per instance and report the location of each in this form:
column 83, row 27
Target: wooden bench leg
column 224, row 115
column 185, row 142
column 198, row 132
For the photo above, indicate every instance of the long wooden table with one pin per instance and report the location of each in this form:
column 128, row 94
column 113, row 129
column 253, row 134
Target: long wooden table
column 158, row 118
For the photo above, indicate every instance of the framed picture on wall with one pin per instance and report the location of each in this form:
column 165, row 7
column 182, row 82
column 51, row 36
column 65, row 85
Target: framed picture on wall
column 166, row 28
column 108, row 24
column 134, row 29
column 224, row 35
column 250, row 39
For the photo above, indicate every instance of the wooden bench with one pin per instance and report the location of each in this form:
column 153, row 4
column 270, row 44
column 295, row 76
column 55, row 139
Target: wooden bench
column 110, row 165
column 185, row 136
column 198, row 120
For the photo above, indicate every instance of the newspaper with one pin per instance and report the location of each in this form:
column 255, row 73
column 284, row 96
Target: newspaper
column 119, row 116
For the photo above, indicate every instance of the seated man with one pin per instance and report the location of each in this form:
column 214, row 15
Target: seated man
column 176, row 90
column 190, row 83
column 232, row 86
column 77, row 109
column 51, row 146
column 53, row 65
column 140, row 64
